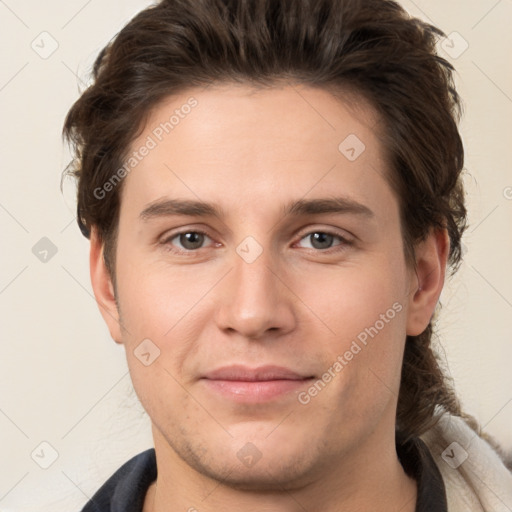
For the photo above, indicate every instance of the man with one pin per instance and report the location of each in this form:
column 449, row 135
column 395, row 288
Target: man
column 271, row 216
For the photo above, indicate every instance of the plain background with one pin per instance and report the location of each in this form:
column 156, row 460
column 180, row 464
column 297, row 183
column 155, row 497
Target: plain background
column 63, row 381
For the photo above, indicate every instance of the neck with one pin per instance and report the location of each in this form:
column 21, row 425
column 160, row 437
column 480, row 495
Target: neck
column 369, row 478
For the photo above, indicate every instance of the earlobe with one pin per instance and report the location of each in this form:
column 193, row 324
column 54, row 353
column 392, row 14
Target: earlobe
column 103, row 287
column 431, row 261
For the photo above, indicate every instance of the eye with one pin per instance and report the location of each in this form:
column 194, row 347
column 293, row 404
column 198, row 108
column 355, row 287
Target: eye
column 322, row 240
column 188, row 240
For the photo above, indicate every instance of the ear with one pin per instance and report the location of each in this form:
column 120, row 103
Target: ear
column 103, row 287
column 431, row 259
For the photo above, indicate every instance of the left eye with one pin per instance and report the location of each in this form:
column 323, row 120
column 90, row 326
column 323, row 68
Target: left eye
column 321, row 240
column 189, row 240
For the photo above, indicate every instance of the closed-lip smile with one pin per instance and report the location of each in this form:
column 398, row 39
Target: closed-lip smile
column 241, row 383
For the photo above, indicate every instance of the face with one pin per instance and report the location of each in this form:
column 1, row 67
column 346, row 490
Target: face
column 261, row 283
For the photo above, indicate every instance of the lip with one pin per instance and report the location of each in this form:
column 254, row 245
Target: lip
column 239, row 372
column 254, row 385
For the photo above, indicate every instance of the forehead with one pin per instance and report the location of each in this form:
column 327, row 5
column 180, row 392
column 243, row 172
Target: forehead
column 282, row 112
column 239, row 142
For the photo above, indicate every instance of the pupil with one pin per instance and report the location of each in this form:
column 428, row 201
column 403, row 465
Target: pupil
column 321, row 240
column 191, row 240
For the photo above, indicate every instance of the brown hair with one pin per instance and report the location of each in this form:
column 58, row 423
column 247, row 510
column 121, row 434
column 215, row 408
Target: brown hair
column 372, row 47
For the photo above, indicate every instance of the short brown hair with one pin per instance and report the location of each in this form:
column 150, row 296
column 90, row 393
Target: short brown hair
column 372, row 47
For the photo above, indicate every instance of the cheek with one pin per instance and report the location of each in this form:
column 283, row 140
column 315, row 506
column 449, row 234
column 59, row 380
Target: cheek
column 349, row 299
column 170, row 309
column 362, row 324
column 157, row 301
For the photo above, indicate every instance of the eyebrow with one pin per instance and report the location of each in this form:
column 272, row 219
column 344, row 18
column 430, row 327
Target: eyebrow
column 168, row 207
column 192, row 208
column 328, row 205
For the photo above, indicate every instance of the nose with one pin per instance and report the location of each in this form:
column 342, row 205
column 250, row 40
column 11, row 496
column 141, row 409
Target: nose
column 255, row 300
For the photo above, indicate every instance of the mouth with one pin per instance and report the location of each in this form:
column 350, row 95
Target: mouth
column 242, row 384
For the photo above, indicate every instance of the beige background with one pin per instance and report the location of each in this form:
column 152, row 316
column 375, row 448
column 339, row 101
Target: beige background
column 63, row 381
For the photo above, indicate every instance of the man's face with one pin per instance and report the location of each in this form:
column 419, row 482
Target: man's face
column 301, row 266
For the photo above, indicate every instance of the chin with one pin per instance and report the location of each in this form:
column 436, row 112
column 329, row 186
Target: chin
column 262, row 477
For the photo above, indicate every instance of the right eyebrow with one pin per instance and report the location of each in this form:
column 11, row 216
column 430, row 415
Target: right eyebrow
column 168, row 207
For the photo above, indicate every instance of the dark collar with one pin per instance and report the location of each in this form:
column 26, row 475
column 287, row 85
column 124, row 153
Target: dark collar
column 418, row 463
column 126, row 489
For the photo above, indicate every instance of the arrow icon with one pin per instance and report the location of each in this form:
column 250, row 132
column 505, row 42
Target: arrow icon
column 44, row 455
column 454, row 45
column 44, row 250
column 147, row 352
column 351, row 147
column 454, row 455
column 249, row 455
column 44, row 45
column 249, row 249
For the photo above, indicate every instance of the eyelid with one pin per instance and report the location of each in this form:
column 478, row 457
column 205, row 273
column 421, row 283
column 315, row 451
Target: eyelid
column 187, row 228
column 341, row 233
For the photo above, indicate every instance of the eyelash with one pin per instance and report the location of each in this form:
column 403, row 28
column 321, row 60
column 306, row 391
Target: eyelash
column 343, row 245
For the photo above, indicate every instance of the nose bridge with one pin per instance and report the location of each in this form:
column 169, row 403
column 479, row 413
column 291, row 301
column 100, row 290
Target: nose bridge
column 254, row 279
column 255, row 301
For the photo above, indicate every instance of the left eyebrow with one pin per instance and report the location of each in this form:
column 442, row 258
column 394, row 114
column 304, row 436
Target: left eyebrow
column 330, row 205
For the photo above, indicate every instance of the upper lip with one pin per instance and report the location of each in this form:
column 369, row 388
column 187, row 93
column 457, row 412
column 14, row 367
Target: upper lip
column 261, row 373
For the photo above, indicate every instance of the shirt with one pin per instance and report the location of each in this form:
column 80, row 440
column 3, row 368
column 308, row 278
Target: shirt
column 126, row 489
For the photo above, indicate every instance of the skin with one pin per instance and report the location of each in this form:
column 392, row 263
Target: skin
column 252, row 152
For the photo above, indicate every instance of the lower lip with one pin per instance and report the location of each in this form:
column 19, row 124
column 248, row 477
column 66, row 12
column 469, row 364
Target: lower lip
column 255, row 391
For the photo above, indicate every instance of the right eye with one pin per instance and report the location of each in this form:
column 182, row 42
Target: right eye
column 187, row 241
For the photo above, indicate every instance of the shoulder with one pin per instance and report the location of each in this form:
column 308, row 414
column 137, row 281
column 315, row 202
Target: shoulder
column 126, row 488
column 474, row 474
